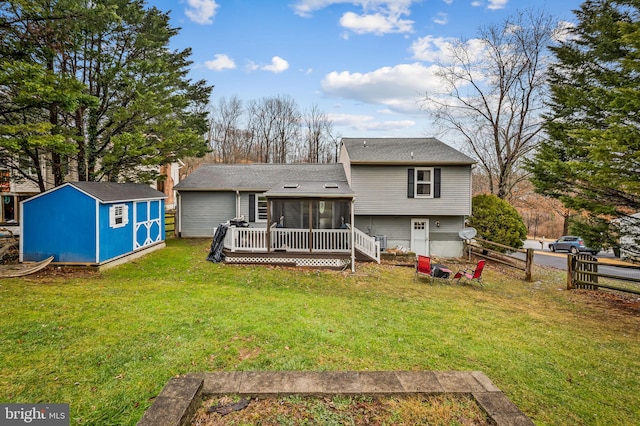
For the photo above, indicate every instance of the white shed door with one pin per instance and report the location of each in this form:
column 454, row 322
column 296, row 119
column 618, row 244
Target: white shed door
column 420, row 236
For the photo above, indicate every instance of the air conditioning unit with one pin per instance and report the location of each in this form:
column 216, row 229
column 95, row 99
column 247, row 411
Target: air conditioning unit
column 382, row 239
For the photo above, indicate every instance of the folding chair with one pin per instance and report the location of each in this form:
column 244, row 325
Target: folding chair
column 475, row 275
column 424, row 267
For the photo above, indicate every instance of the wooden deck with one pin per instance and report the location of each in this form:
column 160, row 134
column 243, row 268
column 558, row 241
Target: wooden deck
column 321, row 247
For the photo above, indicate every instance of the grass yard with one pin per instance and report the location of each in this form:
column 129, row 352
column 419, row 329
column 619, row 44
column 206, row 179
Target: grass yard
column 107, row 343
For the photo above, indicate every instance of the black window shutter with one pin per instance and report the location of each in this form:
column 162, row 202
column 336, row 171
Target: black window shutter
column 436, row 182
column 252, row 207
column 410, row 183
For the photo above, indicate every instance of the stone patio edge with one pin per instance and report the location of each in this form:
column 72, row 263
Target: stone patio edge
column 178, row 400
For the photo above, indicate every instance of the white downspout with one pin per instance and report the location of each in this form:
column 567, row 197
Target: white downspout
column 353, row 237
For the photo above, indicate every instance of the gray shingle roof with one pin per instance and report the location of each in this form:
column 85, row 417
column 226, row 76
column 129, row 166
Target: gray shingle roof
column 111, row 191
column 403, row 151
column 257, row 177
column 321, row 189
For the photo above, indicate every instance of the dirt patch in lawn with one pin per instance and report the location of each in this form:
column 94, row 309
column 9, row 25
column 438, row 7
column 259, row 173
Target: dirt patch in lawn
column 341, row 410
column 624, row 304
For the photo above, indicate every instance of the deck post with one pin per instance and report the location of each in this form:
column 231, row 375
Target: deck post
column 268, row 230
column 310, row 226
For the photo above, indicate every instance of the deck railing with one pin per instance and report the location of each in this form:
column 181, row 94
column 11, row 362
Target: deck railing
column 367, row 245
column 288, row 239
column 300, row 240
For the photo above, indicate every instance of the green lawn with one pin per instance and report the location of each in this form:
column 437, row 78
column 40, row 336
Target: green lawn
column 107, row 343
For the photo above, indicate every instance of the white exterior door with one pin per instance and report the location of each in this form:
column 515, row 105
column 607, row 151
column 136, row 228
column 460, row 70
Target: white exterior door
column 420, row 236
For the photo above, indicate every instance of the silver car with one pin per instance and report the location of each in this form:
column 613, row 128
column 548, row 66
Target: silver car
column 572, row 244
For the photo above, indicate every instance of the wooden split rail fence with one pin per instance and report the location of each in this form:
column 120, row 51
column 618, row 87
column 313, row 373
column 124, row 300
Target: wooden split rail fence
column 498, row 256
column 582, row 272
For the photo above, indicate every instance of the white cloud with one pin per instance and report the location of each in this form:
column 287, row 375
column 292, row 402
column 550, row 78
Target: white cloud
column 564, row 31
column 362, row 123
column 497, row 4
column 448, row 1
column 252, row 66
column 201, row 11
column 399, row 88
column 441, row 18
column 220, row 63
column 277, row 65
column 375, row 16
column 493, row 4
column 439, row 49
column 376, row 23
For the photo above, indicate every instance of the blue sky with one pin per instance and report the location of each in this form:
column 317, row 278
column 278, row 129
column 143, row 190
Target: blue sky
column 365, row 63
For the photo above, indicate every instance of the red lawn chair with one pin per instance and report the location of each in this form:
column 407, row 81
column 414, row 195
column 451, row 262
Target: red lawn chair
column 424, row 267
column 475, row 275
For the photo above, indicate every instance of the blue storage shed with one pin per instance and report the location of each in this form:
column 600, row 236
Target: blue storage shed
column 92, row 223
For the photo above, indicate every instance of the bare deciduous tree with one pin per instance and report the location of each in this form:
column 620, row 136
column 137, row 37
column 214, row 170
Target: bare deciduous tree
column 318, row 129
column 492, row 94
column 225, row 136
column 274, row 122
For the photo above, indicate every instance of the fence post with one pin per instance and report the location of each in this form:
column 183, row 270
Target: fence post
column 528, row 276
column 570, row 283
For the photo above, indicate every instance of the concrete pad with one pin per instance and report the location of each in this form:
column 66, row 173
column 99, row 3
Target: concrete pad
column 419, row 382
column 176, row 403
column 261, row 382
column 341, row 382
column 379, row 382
column 178, row 400
column 163, row 412
column 458, row 382
column 485, row 381
column 512, row 420
column 219, row 383
column 281, row 382
column 496, row 403
column 182, row 387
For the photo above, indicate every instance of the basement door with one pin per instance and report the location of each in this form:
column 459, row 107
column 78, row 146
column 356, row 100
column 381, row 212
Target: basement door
column 420, row 236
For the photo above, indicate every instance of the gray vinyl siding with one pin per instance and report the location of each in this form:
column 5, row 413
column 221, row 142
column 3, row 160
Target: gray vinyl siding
column 202, row 212
column 382, row 190
column 399, row 227
column 244, row 205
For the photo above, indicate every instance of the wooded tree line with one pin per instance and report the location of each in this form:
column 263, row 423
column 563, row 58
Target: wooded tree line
column 91, row 88
column 270, row 130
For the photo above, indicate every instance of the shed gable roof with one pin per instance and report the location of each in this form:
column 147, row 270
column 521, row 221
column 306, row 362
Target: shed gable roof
column 111, row 191
column 257, row 177
column 403, row 151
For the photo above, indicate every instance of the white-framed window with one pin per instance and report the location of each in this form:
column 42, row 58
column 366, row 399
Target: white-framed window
column 26, row 165
column 261, row 208
column 118, row 215
column 424, row 183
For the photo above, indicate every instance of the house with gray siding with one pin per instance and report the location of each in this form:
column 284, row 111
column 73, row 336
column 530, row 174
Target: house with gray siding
column 215, row 193
column 410, row 192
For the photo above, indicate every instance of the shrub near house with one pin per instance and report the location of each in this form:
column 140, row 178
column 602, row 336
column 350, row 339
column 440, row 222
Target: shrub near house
column 497, row 221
